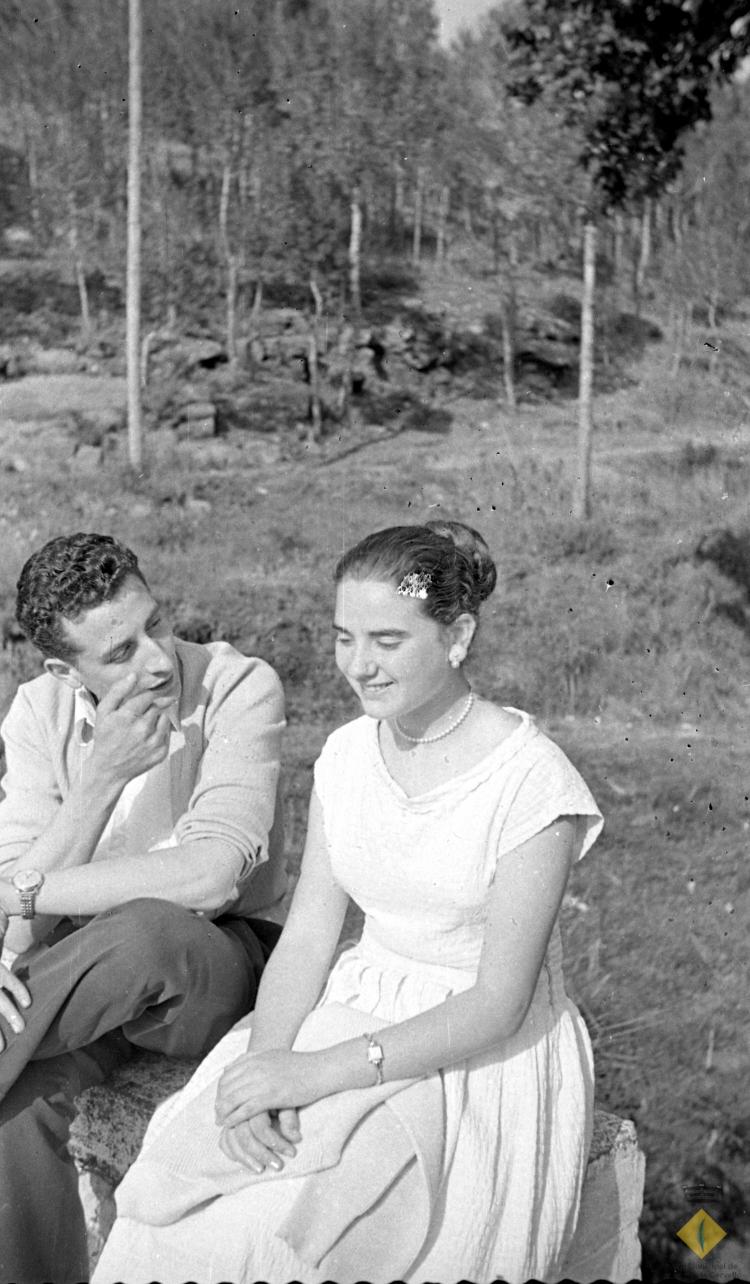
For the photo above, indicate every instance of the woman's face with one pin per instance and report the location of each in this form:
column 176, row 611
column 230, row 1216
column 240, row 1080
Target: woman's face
column 392, row 653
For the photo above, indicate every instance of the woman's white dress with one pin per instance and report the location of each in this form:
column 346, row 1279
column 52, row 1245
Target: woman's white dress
column 517, row 1121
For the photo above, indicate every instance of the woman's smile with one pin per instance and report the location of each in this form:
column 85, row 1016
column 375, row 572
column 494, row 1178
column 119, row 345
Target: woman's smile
column 392, row 654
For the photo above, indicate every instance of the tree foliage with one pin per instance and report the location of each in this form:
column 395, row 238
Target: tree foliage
column 264, row 120
column 631, row 75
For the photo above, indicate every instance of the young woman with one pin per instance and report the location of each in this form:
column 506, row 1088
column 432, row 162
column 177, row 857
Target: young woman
column 428, row 1117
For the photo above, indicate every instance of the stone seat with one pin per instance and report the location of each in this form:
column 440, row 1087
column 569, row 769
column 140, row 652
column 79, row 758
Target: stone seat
column 112, row 1119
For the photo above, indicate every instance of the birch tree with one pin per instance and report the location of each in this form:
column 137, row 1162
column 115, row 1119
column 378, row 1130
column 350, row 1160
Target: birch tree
column 133, row 286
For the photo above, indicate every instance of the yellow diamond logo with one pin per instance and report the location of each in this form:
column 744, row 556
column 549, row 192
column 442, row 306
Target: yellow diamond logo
column 701, row 1234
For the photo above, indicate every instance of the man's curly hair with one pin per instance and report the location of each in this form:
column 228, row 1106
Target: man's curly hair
column 69, row 575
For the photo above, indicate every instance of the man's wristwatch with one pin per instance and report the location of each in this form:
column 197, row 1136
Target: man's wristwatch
column 27, row 883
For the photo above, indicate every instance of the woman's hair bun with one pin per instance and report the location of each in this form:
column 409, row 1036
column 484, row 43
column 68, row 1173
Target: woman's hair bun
column 480, row 569
column 451, row 558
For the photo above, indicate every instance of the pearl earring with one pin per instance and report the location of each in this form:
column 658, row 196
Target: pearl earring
column 454, row 659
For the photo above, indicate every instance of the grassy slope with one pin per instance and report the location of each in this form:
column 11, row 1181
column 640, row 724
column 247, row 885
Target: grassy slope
column 607, row 633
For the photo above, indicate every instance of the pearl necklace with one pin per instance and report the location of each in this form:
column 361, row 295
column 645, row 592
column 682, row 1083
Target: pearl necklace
column 429, row 740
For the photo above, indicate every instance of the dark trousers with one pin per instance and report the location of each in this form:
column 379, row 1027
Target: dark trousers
column 148, row 974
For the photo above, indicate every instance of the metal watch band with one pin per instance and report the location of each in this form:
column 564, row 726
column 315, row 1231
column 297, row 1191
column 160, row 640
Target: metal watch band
column 28, row 903
column 28, row 883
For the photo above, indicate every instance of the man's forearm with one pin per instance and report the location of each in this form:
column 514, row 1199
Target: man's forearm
column 199, row 875
column 70, row 840
column 72, row 837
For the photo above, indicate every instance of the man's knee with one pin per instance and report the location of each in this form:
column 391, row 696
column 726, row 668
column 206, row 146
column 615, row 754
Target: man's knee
column 146, row 914
column 164, row 947
column 151, row 931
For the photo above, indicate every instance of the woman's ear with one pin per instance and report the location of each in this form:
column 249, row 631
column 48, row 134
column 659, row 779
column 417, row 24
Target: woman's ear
column 461, row 633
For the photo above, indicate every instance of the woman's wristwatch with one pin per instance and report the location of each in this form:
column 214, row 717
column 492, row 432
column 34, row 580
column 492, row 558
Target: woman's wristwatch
column 375, row 1056
column 27, row 883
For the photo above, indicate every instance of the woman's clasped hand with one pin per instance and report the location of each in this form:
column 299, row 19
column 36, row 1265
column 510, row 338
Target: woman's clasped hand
column 257, row 1106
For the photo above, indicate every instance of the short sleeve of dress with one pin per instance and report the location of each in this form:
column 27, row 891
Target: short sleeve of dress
column 331, row 766
column 549, row 786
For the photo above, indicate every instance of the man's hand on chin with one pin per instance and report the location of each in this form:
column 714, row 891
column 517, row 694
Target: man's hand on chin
column 131, row 733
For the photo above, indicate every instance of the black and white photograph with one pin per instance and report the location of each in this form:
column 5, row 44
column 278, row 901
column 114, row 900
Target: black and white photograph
column 375, row 665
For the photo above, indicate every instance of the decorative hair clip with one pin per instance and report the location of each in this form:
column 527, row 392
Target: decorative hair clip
column 415, row 584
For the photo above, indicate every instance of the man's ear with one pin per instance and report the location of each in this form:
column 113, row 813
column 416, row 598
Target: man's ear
column 64, row 672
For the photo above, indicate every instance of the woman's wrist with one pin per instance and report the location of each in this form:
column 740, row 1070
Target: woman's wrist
column 269, row 1041
column 343, row 1066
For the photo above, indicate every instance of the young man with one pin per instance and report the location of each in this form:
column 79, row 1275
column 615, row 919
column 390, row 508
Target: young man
column 138, row 833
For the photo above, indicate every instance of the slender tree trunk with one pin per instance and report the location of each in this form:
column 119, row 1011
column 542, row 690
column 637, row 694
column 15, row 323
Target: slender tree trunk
column 684, row 325
column 442, row 224
column 313, row 349
column 159, row 182
column 254, row 346
column 355, row 250
column 684, row 328
column 416, row 248
column 618, row 255
column 509, row 349
column 146, row 346
column 399, row 200
column 346, row 347
column 133, row 271
column 232, row 278
column 495, row 225
column 677, row 224
column 644, row 254
column 582, row 492
column 170, row 290
column 83, row 296
column 231, row 262
column 508, row 311
column 78, row 267
column 32, row 172
column 255, row 310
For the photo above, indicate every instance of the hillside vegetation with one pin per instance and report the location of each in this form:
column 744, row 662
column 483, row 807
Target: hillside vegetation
column 626, row 635
column 362, row 305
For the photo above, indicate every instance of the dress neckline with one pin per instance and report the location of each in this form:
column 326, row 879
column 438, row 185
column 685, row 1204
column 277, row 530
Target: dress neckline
column 473, row 775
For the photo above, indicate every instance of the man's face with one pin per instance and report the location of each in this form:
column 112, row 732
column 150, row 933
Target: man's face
column 123, row 636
